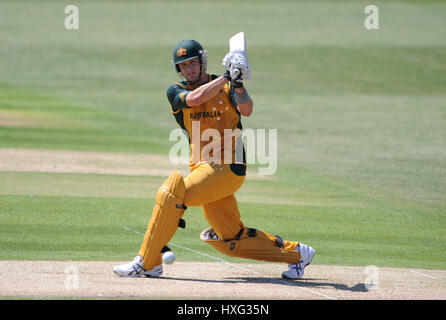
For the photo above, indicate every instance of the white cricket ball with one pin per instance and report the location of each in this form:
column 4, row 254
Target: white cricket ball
column 168, row 257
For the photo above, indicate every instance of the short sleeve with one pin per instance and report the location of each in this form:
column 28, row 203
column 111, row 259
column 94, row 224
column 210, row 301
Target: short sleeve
column 177, row 97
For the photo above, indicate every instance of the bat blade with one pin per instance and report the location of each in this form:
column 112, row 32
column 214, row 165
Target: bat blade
column 237, row 42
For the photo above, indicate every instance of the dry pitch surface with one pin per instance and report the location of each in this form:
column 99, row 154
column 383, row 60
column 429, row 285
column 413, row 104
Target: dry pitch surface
column 215, row 280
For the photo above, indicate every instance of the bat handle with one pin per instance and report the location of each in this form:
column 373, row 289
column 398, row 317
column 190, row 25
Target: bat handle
column 235, row 72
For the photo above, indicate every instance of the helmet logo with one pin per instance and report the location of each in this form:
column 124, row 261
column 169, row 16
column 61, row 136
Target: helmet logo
column 181, row 52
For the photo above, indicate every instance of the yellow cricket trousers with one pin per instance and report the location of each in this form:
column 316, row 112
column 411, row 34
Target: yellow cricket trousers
column 212, row 187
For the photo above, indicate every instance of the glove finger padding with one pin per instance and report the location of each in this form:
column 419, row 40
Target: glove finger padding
column 227, row 60
column 246, row 73
column 240, row 61
column 234, row 56
column 237, row 60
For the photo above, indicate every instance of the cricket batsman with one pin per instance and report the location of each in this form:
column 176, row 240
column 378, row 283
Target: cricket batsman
column 204, row 103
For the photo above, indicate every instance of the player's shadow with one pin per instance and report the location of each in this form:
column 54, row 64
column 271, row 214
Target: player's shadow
column 307, row 282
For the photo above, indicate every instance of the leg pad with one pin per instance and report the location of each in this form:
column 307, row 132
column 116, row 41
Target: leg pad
column 165, row 220
column 250, row 244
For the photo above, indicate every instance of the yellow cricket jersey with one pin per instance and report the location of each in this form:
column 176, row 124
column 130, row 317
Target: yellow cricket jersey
column 213, row 128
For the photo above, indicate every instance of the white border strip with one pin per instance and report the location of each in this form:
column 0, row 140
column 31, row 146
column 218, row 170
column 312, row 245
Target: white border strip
column 237, row 266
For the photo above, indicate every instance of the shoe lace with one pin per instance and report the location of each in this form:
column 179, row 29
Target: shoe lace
column 136, row 264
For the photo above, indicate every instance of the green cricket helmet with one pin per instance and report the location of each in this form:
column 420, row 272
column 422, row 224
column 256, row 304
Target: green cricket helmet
column 186, row 50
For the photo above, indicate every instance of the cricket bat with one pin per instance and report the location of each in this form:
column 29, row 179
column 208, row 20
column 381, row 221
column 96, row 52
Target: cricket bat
column 237, row 43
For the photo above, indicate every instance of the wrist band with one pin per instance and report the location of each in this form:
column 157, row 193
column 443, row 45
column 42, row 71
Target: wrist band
column 242, row 98
column 237, row 84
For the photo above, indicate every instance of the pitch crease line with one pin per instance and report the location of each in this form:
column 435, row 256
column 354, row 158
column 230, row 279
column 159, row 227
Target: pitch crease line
column 427, row 275
column 236, row 266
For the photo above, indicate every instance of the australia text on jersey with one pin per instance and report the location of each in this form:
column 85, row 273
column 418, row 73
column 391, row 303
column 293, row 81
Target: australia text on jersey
column 260, row 146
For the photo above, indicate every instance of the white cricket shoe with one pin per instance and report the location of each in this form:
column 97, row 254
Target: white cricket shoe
column 296, row 270
column 135, row 269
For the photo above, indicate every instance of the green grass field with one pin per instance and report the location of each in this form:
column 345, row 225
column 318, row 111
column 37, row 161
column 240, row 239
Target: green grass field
column 360, row 114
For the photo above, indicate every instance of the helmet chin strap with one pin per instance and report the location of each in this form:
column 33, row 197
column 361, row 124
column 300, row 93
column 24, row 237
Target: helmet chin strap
column 199, row 77
column 195, row 81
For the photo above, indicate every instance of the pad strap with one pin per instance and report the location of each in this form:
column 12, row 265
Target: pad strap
column 255, row 244
column 252, row 232
column 279, row 242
